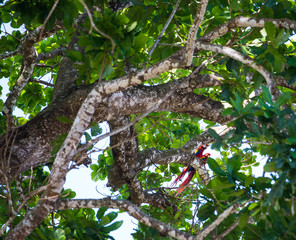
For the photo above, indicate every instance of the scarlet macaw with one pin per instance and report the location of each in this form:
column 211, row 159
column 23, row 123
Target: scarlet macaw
column 191, row 172
column 198, row 153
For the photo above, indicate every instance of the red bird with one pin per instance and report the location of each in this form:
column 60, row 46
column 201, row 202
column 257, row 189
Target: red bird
column 191, row 172
column 198, row 153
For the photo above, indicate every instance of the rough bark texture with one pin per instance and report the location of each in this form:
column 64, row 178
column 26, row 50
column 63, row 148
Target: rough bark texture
column 29, row 146
column 32, row 144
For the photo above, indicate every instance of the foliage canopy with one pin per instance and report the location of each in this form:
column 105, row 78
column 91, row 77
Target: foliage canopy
column 167, row 77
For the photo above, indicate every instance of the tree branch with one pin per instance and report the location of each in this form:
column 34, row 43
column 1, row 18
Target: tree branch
column 227, row 231
column 95, row 27
column 190, row 46
column 127, row 206
column 242, row 21
column 217, row 222
column 29, row 54
column 51, row 54
column 164, row 28
column 241, row 58
column 68, row 149
column 47, row 18
column 29, row 61
column 131, row 101
column 10, row 54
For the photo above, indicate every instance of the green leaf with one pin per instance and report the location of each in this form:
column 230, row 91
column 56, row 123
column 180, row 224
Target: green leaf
column 206, row 211
column 277, row 189
column 41, row 235
column 75, row 55
column 112, row 216
column 243, row 219
column 214, row 166
column 140, row 40
column 233, row 165
column 292, row 140
column 113, row 226
column 214, row 134
column 108, row 71
column 132, row 26
column 237, row 102
column 224, row 186
column 227, row 111
column 101, row 212
column 281, row 38
column 235, row 5
column 87, row 137
column 68, row 193
column 292, row 61
column 59, row 234
column 95, row 130
column 270, row 29
column 282, row 99
column 270, row 167
column 266, row 95
column 236, row 138
column 177, row 215
column 57, row 143
column 104, row 221
column 249, row 180
column 255, row 128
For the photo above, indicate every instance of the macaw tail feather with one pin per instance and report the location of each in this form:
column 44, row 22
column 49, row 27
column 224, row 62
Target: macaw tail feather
column 180, row 176
column 187, row 180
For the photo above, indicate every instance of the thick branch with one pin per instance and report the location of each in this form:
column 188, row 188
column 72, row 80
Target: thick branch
column 45, row 127
column 51, row 54
column 67, row 150
column 134, row 100
column 29, row 61
column 125, row 155
column 241, row 58
column 183, row 155
column 190, row 46
column 9, row 54
column 124, row 169
column 247, row 22
column 127, row 206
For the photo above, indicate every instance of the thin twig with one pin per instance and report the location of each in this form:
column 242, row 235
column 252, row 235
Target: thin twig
column 103, row 66
column 28, row 197
column 31, row 177
column 164, row 28
column 47, row 18
column 219, row 219
column 42, row 82
column 94, row 26
column 227, row 231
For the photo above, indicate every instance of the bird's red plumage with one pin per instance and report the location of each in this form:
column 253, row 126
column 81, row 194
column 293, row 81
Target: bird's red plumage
column 191, row 171
column 180, row 176
column 187, row 180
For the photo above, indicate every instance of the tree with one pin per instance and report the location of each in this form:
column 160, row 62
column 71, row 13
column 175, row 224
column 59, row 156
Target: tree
column 152, row 70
